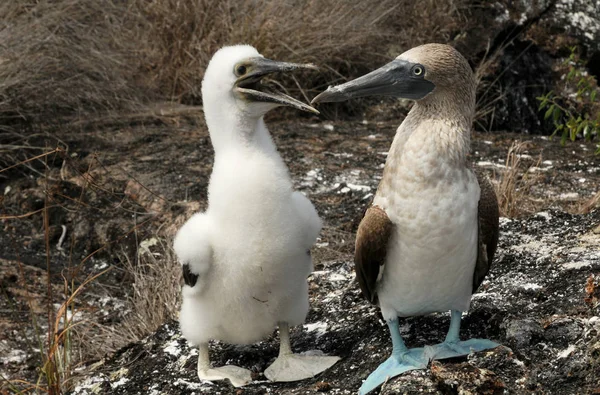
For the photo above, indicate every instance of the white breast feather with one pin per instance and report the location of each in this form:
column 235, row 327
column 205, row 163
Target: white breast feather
column 432, row 253
column 260, row 233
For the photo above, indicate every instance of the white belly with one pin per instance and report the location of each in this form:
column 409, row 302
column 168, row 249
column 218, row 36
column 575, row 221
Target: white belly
column 432, row 253
column 260, row 236
column 242, row 303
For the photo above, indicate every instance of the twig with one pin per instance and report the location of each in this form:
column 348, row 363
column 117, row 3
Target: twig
column 62, row 238
column 58, row 149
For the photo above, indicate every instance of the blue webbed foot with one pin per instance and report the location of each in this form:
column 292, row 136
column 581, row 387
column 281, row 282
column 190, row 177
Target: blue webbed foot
column 411, row 359
column 452, row 347
column 459, row 349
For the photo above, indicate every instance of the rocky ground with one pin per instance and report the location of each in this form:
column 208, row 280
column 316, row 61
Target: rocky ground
column 540, row 302
column 123, row 191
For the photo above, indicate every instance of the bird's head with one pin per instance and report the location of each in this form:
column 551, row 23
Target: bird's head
column 422, row 72
column 234, row 77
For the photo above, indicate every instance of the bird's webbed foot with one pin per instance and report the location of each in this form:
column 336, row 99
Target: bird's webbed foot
column 236, row 375
column 453, row 347
column 456, row 349
column 293, row 367
column 398, row 363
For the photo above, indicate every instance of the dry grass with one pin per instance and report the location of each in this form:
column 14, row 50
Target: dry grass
column 62, row 57
column 82, row 57
column 343, row 37
column 589, row 205
column 156, row 282
column 513, row 186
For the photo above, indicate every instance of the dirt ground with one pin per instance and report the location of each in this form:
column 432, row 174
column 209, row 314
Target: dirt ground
column 116, row 188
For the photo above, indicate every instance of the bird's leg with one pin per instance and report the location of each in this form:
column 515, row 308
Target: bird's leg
column 236, row 375
column 453, row 347
column 452, row 337
column 402, row 360
column 293, row 367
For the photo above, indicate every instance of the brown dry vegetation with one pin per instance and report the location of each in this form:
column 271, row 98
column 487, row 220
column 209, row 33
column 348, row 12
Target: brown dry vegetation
column 514, row 183
column 80, row 57
column 156, row 286
column 68, row 57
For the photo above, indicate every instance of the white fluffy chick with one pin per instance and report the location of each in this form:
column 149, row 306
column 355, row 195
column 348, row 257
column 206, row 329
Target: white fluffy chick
column 246, row 258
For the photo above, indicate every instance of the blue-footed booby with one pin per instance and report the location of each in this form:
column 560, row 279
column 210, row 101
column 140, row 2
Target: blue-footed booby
column 428, row 239
column 246, row 259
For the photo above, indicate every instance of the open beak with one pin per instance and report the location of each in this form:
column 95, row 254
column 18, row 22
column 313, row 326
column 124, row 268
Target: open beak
column 249, row 85
column 397, row 78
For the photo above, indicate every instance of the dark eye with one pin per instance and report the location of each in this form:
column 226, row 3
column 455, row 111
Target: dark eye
column 240, row 70
column 418, row 70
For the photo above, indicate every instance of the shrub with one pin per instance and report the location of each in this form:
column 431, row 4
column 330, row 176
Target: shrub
column 575, row 112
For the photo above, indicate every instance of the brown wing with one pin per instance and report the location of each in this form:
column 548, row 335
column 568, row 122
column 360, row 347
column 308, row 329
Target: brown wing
column 488, row 229
column 372, row 238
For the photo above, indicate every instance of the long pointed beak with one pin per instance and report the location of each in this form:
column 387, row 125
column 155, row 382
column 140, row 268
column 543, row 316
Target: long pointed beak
column 260, row 66
column 396, row 78
column 249, row 86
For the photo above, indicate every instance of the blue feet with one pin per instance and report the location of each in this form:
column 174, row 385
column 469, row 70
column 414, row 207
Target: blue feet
column 403, row 359
column 452, row 347
column 459, row 349
column 412, row 359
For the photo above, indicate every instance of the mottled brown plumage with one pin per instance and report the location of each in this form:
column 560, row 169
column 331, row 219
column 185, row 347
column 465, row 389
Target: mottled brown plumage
column 488, row 215
column 372, row 236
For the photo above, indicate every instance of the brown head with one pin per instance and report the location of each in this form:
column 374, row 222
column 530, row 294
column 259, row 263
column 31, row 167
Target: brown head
column 432, row 74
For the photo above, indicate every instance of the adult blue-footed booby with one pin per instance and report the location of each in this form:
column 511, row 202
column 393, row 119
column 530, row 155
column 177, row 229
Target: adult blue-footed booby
column 428, row 240
column 246, row 258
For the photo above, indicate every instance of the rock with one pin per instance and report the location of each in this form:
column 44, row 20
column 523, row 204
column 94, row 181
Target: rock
column 554, row 338
column 464, row 378
column 522, row 333
column 580, row 19
column 563, row 331
column 515, row 46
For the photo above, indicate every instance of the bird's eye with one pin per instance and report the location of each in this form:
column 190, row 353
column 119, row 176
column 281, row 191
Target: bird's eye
column 240, row 70
column 418, row 70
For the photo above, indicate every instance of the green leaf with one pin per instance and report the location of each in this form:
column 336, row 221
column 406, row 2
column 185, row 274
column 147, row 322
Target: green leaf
column 556, row 114
column 549, row 112
column 573, row 132
column 593, row 95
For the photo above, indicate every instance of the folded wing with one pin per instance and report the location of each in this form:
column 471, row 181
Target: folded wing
column 372, row 239
column 488, row 214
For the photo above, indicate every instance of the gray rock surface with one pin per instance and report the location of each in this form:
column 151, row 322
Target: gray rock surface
column 540, row 302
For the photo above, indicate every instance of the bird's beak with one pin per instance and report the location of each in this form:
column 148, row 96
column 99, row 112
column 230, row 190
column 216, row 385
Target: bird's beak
column 250, row 88
column 396, row 78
